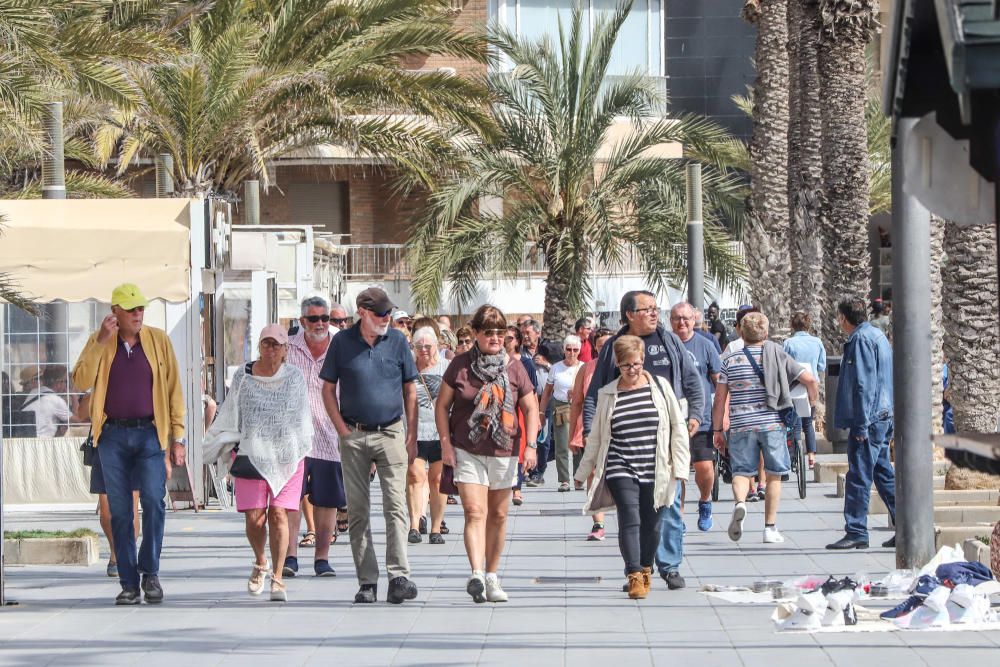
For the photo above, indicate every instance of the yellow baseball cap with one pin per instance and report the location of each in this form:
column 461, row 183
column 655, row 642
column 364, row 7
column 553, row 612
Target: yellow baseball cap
column 128, row 296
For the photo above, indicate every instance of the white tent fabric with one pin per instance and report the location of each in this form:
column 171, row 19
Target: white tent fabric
column 81, row 249
column 45, row 470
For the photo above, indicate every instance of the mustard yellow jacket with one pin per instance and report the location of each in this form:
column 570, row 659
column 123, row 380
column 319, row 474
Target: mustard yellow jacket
column 94, row 367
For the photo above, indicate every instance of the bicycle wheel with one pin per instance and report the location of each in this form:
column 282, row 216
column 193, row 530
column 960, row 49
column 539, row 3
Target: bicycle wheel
column 800, row 455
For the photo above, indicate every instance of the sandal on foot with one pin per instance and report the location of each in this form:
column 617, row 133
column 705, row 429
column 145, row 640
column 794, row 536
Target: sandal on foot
column 308, row 540
column 258, row 577
column 341, row 522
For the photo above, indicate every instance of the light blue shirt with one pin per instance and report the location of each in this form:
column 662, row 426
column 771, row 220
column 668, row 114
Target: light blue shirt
column 807, row 349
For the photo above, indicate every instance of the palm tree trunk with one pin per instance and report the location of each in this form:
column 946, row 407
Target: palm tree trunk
column 937, row 325
column 558, row 317
column 767, row 238
column 971, row 311
column 845, row 31
column 806, row 175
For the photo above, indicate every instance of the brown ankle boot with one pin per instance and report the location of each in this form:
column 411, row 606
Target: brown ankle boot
column 636, row 589
column 647, row 578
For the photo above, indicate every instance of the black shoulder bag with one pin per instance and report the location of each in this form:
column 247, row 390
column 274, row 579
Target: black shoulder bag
column 243, row 467
column 87, row 448
column 788, row 415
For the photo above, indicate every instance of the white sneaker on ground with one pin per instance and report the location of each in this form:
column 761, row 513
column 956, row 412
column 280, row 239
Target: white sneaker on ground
column 494, row 593
column 772, row 536
column 736, row 522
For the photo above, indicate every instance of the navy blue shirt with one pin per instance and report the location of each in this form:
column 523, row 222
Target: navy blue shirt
column 708, row 362
column 371, row 377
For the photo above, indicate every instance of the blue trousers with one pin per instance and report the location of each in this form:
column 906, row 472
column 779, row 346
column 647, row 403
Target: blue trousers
column 868, row 461
column 804, row 426
column 670, row 551
column 129, row 454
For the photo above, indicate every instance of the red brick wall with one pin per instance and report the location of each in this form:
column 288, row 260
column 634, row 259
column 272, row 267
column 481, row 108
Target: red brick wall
column 473, row 15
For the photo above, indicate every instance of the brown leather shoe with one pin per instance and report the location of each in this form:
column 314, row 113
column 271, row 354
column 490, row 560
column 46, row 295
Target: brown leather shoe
column 636, row 588
column 647, row 578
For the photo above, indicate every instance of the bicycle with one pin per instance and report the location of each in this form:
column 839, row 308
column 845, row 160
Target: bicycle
column 797, row 453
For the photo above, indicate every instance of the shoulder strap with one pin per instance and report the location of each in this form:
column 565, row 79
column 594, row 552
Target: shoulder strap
column 248, row 369
column 753, row 362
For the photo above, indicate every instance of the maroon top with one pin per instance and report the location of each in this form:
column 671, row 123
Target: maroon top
column 130, row 385
column 466, row 385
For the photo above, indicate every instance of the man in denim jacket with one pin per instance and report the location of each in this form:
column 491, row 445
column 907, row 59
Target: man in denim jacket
column 864, row 407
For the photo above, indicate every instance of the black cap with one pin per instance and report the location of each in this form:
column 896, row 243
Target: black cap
column 374, row 299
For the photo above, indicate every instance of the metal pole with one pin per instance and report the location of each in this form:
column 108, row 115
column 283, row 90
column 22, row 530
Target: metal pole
column 911, row 326
column 695, row 237
column 54, row 163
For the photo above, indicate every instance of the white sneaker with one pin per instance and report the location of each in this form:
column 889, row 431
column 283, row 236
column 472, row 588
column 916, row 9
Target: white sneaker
column 493, row 591
column 772, row 536
column 475, row 587
column 736, row 522
column 258, row 576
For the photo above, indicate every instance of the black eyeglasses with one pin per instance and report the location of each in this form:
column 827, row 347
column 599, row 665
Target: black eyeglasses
column 317, row 318
column 341, row 320
column 650, row 310
column 377, row 313
column 634, row 366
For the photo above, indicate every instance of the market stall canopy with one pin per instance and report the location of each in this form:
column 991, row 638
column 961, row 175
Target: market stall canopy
column 79, row 249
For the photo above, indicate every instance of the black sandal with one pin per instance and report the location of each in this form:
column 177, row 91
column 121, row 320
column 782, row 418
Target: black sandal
column 341, row 522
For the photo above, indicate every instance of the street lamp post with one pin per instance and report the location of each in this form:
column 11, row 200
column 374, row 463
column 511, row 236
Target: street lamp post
column 695, row 237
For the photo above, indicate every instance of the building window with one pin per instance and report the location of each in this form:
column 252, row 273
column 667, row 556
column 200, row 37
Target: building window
column 640, row 41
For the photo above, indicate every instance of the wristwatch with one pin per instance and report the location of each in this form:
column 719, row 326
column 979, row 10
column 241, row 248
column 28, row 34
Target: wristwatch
column 533, row 445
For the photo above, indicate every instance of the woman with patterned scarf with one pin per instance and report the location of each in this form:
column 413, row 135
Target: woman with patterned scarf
column 477, row 421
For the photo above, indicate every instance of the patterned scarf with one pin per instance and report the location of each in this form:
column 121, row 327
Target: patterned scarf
column 494, row 411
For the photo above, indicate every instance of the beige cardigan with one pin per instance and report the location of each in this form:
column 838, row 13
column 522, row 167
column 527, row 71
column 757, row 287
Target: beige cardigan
column 673, row 453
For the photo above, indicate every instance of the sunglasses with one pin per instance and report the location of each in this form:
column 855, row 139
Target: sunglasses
column 571, row 349
column 270, row 343
column 424, row 347
column 382, row 313
column 340, row 320
column 494, row 333
column 465, row 341
column 317, row 318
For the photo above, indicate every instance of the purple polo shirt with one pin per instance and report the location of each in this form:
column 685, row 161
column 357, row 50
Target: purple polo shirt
column 130, row 384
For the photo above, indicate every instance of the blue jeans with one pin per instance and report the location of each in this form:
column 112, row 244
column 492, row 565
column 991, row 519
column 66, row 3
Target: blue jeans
column 670, row 551
column 546, row 451
column 868, row 461
column 129, row 454
column 805, row 426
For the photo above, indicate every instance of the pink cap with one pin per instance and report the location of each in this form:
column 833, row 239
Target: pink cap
column 275, row 331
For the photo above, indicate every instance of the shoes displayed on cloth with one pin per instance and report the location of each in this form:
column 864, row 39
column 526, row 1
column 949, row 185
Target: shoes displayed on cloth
column 291, row 566
column 414, row 537
column 494, row 592
column 848, row 542
column 112, row 569
column 436, row 538
column 322, row 569
column 705, row 515
column 596, row 533
column 832, row 585
column 805, row 614
column 152, row 592
column 258, row 577
column 840, row 608
column 736, row 522
column 476, row 587
column 967, row 606
column 772, row 536
column 933, row 613
column 367, row 594
column 400, row 589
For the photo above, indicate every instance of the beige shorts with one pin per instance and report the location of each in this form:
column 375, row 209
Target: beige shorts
column 495, row 472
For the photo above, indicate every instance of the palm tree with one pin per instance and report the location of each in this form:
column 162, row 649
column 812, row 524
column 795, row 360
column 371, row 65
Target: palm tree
column 251, row 80
column 937, row 323
column 845, row 29
column 971, row 309
column 805, row 163
column 578, row 211
column 767, row 238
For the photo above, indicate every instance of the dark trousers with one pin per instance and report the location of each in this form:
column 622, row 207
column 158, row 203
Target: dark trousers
column 638, row 522
column 867, row 462
column 546, row 452
column 129, row 454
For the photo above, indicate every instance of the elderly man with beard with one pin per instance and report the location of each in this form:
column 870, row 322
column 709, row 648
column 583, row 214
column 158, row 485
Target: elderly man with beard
column 324, row 479
column 373, row 367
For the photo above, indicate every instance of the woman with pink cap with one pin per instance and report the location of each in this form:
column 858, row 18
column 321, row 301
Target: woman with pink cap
column 267, row 423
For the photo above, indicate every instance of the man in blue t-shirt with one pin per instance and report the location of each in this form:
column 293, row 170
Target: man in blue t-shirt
column 708, row 363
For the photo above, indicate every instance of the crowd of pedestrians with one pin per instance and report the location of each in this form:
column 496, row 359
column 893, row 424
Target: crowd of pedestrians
column 629, row 416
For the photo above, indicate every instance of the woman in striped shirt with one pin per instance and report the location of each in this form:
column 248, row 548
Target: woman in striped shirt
column 638, row 449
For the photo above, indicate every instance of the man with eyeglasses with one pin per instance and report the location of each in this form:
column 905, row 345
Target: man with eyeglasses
column 137, row 414
column 323, row 486
column 683, row 320
column 666, row 357
column 372, row 365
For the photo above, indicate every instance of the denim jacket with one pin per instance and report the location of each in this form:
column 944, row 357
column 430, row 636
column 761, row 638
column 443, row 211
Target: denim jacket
column 864, row 392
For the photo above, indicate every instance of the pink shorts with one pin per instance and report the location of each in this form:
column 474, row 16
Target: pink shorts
column 253, row 494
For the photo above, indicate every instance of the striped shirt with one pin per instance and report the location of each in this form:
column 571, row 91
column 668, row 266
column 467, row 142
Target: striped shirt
column 748, row 409
column 326, row 443
column 632, row 452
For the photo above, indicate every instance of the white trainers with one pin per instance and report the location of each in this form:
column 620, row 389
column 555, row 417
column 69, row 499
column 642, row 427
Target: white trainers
column 258, row 577
column 736, row 522
column 772, row 536
column 493, row 591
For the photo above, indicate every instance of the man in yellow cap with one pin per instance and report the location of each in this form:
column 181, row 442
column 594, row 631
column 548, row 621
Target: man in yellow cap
column 137, row 413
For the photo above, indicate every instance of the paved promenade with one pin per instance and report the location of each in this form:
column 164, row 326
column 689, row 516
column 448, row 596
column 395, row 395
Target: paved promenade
column 559, row 612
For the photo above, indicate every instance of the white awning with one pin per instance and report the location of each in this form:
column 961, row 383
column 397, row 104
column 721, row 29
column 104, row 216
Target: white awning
column 79, row 249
